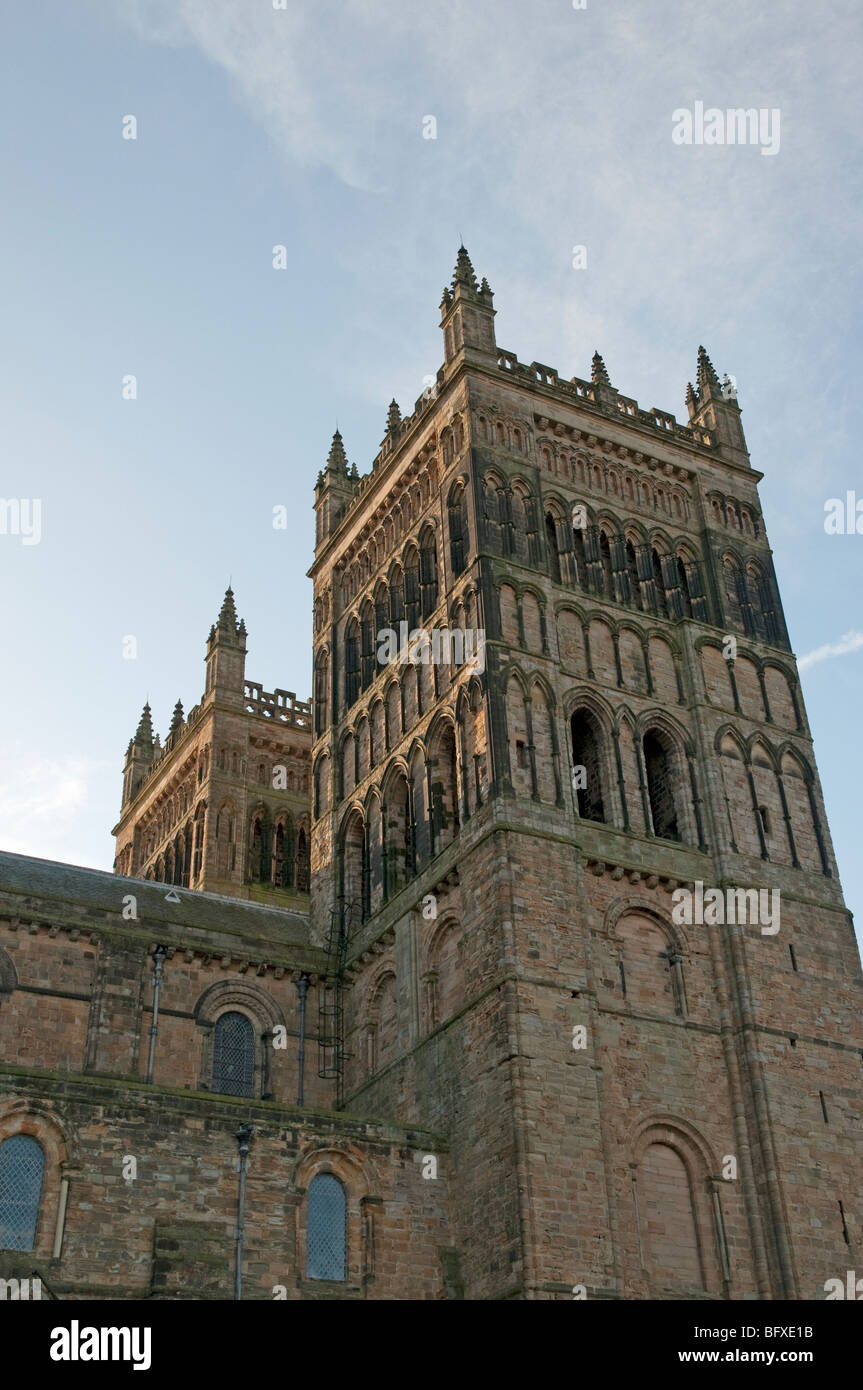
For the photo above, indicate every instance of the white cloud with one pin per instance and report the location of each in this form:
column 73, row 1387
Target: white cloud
column 555, row 128
column 40, row 802
column 850, row 642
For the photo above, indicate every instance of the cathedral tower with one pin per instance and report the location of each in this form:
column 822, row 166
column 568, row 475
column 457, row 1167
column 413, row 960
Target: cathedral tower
column 569, row 838
column 223, row 806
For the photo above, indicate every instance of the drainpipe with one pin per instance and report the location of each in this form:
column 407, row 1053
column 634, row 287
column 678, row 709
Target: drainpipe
column 243, row 1137
column 158, row 962
column 302, row 990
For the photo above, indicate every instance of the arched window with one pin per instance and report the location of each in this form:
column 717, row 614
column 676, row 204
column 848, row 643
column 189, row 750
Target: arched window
column 283, row 854
column 352, row 663
column 259, row 850
column 322, row 680
column 733, row 580
column 428, row 574
column 400, row 834
column 234, row 1056
column 397, row 597
column 382, row 611
column 553, row 551
column 22, row 1164
column 672, row 1246
column 326, row 1241
column 444, row 787
column 660, row 788
column 302, row 862
column 412, row 590
column 367, row 645
column 683, row 581
column 632, row 571
column 580, row 556
column 762, row 603
column 494, row 512
column 587, row 779
column 661, row 605
column 605, row 556
column 457, row 530
column 355, row 878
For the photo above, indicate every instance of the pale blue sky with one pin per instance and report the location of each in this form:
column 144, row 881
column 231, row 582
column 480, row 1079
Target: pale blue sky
column 304, row 127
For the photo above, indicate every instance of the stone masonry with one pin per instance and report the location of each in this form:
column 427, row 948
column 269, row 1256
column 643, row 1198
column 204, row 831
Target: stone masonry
column 530, row 920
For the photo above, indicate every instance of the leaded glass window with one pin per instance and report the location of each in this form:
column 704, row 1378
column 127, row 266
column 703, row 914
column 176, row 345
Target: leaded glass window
column 22, row 1164
column 326, row 1253
column 234, row 1056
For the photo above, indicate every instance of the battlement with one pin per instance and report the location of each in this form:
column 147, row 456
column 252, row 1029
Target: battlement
column 605, row 401
column 586, row 393
column 282, row 706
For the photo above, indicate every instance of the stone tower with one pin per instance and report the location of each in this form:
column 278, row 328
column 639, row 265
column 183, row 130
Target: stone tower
column 533, row 856
column 223, row 807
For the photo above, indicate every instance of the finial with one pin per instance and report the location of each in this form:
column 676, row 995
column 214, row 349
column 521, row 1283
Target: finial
column 228, row 613
column 464, row 272
column 706, row 373
column 144, row 732
column 177, row 718
column 691, row 396
column 394, row 418
column 598, row 374
column 337, row 461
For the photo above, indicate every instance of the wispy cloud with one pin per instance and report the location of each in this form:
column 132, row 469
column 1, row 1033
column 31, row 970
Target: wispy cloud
column 850, row 642
column 40, row 801
column 555, row 129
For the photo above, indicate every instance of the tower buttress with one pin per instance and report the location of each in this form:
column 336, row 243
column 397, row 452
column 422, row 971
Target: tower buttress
column 334, row 490
column 713, row 407
column 467, row 315
column 139, row 756
column 226, row 656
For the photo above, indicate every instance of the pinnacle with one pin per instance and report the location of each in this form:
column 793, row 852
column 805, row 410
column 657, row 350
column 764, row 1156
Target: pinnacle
column 394, row 417
column 598, row 372
column 706, row 372
column 337, row 461
column 228, row 612
column 464, row 272
column 144, row 732
column 177, row 716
